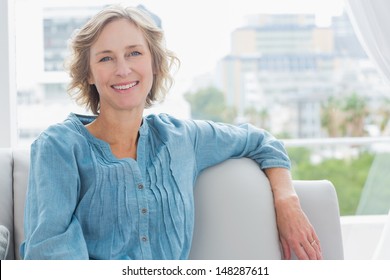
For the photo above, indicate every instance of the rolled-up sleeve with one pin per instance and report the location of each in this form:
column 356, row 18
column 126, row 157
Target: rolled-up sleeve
column 216, row 142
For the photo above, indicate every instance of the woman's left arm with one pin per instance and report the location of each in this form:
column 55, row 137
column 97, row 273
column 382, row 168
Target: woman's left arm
column 295, row 230
column 215, row 142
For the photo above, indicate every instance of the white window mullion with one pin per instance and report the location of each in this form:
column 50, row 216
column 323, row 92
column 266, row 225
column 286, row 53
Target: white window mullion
column 8, row 135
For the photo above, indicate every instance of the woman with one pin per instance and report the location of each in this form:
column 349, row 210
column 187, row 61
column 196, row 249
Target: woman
column 118, row 185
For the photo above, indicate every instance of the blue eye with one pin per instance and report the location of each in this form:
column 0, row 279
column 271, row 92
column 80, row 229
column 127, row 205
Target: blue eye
column 106, row 58
column 135, row 53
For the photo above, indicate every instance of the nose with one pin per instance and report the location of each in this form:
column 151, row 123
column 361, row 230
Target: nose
column 123, row 68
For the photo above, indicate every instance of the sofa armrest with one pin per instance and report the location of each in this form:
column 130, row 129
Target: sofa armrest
column 6, row 197
column 235, row 216
column 320, row 203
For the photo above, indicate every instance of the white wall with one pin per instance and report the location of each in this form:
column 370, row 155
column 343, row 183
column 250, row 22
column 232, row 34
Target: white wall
column 361, row 235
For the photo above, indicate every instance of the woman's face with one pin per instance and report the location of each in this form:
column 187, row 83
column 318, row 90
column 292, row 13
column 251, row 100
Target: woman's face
column 121, row 67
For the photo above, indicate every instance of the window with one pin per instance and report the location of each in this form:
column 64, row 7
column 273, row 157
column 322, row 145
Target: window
column 300, row 73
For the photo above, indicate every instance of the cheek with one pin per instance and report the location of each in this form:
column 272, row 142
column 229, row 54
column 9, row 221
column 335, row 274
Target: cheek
column 147, row 66
column 151, row 72
column 97, row 76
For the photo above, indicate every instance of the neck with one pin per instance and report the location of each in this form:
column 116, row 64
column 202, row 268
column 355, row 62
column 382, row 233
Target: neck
column 120, row 131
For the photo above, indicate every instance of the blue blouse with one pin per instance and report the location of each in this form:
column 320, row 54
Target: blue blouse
column 84, row 203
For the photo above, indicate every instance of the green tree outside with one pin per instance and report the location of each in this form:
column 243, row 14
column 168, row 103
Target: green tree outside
column 345, row 116
column 210, row 104
column 347, row 175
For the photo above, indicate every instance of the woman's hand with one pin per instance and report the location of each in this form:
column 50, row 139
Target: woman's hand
column 295, row 231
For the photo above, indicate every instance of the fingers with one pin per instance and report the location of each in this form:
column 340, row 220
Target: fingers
column 286, row 250
column 311, row 249
column 317, row 247
column 304, row 250
column 300, row 252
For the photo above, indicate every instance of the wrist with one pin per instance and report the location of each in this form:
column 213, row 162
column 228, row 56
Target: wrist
column 286, row 200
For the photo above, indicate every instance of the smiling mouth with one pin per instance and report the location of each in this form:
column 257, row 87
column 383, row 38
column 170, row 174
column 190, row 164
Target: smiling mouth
column 124, row 87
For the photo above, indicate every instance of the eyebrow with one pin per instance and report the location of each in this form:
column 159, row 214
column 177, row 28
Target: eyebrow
column 127, row 48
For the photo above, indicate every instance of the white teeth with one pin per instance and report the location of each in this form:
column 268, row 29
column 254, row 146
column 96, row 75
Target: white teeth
column 123, row 87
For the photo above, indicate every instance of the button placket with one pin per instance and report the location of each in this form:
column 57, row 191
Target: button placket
column 141, row 205
column 143, row 217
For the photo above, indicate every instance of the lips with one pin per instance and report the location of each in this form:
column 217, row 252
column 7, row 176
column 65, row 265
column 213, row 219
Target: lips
column 124, row 86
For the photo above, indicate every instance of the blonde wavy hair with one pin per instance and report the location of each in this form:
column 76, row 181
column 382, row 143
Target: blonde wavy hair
column 78, row 63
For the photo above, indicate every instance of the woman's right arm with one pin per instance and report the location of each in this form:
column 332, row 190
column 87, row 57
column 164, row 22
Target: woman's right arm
column 51, row 228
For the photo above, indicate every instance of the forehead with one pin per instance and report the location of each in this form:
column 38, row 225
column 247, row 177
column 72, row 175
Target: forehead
column 119, row 33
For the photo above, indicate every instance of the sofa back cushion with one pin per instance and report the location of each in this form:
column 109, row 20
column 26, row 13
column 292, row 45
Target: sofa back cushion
column 21, row 168
column 234, row 214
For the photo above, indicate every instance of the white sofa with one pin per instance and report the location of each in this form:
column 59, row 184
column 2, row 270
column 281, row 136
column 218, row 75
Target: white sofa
column 235, row 216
